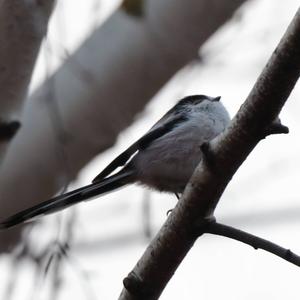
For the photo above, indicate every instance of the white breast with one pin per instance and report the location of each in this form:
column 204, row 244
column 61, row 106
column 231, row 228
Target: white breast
column 168, row 162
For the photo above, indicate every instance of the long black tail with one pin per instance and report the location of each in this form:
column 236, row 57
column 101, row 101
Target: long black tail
column 63, row 201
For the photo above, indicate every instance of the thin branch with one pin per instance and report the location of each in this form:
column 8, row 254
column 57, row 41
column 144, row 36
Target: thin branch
column 254, row 241
column 202, row 194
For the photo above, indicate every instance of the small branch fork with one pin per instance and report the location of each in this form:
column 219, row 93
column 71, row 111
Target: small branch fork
column 211, row 226
column 276, row 128
column 136, row 286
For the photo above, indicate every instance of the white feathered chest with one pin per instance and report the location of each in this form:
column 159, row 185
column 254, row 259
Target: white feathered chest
column 169, row 161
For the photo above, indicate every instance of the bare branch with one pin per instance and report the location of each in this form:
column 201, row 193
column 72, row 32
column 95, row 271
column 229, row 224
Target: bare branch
column 254, row 241
column 230, row 149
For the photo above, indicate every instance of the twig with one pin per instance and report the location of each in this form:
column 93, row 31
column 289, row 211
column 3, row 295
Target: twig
column 277, row 128
column 254, row 241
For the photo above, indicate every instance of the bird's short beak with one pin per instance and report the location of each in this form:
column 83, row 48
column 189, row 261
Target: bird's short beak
column 217, row 99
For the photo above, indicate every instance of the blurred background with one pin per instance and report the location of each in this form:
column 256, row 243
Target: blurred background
column 104, row 75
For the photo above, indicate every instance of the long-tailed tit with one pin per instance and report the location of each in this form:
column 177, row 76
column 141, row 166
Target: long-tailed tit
column 163, row 159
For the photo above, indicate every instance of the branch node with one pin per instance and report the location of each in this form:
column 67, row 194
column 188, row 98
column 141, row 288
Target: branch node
column 288, row 254
column 134, row 8
column 276, row 128
column 8, row 129
column 135, row 285
column 203, row 224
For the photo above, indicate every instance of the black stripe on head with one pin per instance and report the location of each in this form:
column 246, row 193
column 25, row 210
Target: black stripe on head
column 194, row 99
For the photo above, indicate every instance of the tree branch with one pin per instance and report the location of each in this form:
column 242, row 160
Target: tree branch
column 23, row 25
column 162, row 257
column 254, row 241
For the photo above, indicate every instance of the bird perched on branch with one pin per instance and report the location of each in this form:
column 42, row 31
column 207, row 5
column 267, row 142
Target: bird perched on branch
column 163, row 159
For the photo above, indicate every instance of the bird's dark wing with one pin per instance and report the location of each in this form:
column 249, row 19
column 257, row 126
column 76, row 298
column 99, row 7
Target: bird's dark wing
column 154, row 133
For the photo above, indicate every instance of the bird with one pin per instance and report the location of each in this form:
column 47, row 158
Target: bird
column 163, row 159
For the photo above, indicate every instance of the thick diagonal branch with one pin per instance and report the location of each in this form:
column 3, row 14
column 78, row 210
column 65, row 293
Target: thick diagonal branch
column 229, row 150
